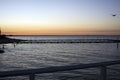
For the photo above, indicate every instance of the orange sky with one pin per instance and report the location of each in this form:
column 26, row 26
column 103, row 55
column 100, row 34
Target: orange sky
column 58, row 30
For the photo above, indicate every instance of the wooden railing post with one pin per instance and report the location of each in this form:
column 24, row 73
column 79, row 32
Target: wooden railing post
column 103, row 73
column 32, row 77
column 117, row 45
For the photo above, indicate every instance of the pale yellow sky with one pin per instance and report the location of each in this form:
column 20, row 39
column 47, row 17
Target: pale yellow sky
column 59, row 30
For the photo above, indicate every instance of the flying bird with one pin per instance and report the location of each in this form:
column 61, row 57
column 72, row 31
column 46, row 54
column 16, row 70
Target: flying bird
column 114, row 15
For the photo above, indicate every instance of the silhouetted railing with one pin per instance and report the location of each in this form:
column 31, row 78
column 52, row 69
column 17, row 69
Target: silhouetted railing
column 32, row 72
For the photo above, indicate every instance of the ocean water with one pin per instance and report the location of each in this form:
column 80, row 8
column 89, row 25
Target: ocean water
column 32, row 56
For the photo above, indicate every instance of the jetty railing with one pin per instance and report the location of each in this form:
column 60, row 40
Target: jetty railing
column 32, row 72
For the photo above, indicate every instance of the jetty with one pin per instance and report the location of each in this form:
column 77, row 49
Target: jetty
column 69, row 41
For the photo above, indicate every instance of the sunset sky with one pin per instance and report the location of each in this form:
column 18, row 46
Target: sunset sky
column 60, row 17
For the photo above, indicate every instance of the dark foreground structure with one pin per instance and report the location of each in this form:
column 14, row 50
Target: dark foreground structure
column 32, row 72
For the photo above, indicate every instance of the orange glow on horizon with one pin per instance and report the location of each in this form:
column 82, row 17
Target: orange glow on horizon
column 56, row 30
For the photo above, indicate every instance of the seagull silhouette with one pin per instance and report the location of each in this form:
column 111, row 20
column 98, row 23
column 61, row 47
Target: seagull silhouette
column 114, row 15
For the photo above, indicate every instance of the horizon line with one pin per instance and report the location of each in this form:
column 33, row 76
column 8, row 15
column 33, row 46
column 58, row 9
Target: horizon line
column 67, row 35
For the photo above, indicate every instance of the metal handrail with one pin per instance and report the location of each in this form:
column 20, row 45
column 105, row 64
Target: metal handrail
column 32, row 72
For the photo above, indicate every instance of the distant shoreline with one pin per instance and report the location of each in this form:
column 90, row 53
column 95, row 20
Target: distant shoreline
column 5, row 39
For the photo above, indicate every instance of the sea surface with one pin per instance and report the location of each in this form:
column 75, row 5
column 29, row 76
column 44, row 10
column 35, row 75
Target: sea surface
column 32, row 56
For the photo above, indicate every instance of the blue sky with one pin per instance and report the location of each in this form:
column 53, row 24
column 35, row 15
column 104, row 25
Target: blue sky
column 74, row 14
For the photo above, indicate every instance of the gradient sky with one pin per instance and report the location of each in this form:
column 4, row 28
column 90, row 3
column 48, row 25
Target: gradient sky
column 60, row 17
